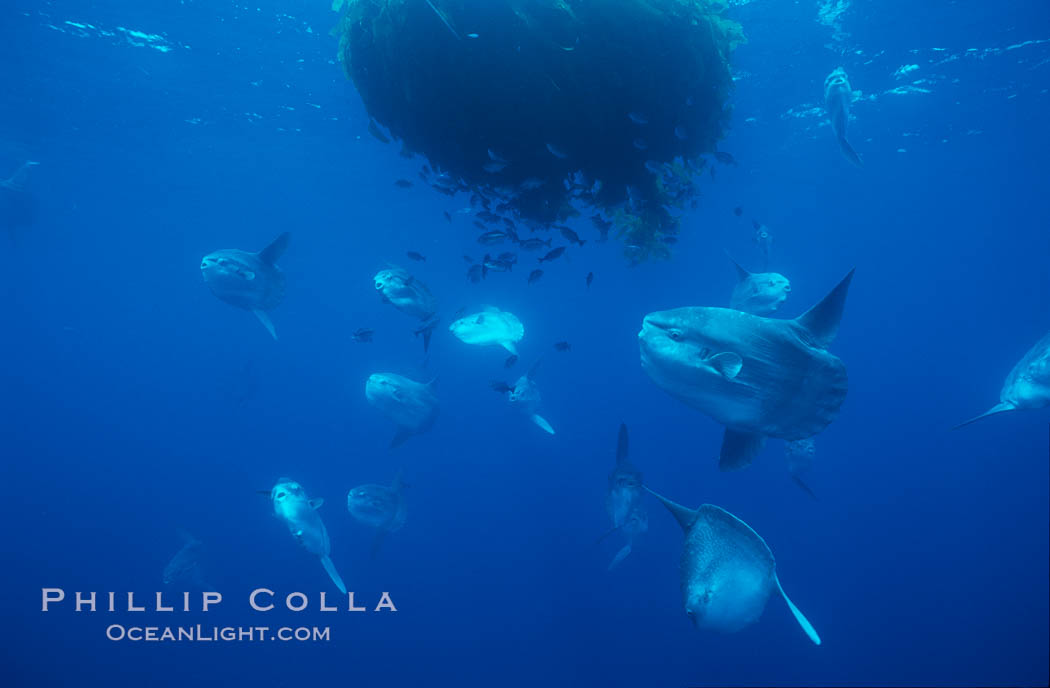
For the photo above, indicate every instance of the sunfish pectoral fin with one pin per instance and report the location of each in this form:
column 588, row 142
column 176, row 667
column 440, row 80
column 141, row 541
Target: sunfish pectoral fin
column 821, row 322
column 265, row 320
column 542, row 422
column 847, row 150
column 509, row 346
column 334, row 575
column 727, row 363
column 620, row 556
column 316, row 502
column 739, row 449
column 799, row 616
column 1001, row 407
column 400, row 436
column 685, row 517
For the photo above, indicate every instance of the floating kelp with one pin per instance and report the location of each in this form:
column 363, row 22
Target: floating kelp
column 545, row 106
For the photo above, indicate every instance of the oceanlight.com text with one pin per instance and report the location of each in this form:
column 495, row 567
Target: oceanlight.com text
column 207, row 634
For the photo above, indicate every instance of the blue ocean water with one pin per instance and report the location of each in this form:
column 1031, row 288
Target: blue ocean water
column 135, row 404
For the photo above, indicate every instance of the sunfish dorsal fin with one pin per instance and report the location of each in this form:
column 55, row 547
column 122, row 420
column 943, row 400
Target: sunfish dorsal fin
column 685, row 517
column 1001, row 407
column 821, row 322
column 741, row 272
column 799, row 616
column 275, row 250
column 621, row 444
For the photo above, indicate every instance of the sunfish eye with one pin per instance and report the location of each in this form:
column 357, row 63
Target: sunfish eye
column 676, row 335
column 281, row 495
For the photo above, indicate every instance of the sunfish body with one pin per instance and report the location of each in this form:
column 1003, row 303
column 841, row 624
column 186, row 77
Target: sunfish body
column 380, row 506
column 291, row 505
column 491, row 326
column 759, row 293
column 758, row 376
column 1028, row 384
column 838, row 96
column 410, row 404
column 727, row 571
column 623, row 503
column 525, row 395
column 248, row 280
column 405, row 293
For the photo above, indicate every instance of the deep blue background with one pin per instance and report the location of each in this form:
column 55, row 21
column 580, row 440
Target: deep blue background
column 924, row 562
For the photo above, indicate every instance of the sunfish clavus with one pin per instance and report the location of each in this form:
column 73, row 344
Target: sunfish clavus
column 1028, row 384
column 727, row 570
column 758, row 376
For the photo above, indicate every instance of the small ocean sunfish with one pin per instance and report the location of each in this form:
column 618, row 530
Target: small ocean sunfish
column 299, row 513
column 248, row 280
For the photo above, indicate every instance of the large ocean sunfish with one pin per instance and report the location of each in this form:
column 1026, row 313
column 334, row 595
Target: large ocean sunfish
column 727, row 571
column 410, row 404
column 757, row 376
column 838, row 96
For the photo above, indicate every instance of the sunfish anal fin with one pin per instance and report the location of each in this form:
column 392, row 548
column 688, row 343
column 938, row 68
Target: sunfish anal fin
column 799, row 616
column 265, row 320
column 334, row 575
column 685, row 517
column 620, row 556
column 542, row 423
column 821, row 322
column 1001, row 407
column 739, row 449
column 400, row 436
column 848, row 151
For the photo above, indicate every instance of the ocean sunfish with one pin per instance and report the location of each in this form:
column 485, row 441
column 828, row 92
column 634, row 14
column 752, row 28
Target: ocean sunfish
column 1028, row 384
column 838, row 96
column 525, row 395
column 248, row 280
column 757, row 376
column 623, row 502
column 410, row 296
column 291, row 505
column 380, row 506
column 491, row 326
column 185, row 568
column 759, row 293
column 727, row 570
column 410, row 404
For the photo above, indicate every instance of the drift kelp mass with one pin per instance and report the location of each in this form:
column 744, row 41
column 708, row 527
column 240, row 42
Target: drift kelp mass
column 546, row 107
